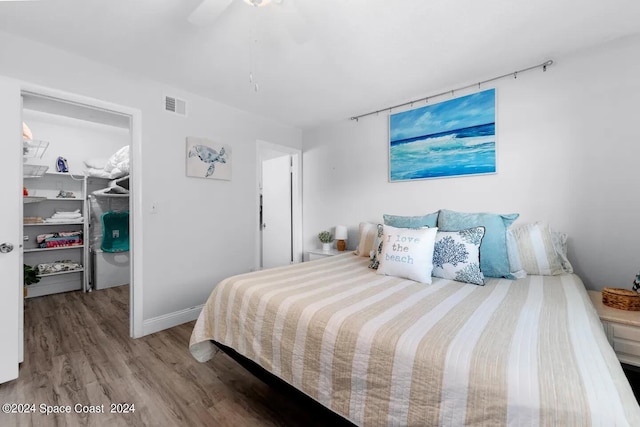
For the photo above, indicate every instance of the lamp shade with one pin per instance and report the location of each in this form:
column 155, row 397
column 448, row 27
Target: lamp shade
column 341, row 232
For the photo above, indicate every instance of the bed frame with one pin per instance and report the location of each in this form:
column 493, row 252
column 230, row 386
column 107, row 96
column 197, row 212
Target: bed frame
column 323, row 415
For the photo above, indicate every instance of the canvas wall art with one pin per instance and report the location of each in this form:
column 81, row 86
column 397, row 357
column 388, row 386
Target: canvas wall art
column 208, row 159
column 451, row 138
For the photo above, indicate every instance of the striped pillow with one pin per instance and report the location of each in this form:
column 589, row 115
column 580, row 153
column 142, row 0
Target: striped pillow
column 367, row 232
column 531, row 249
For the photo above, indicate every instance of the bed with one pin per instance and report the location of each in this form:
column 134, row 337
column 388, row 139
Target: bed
column 382, row 350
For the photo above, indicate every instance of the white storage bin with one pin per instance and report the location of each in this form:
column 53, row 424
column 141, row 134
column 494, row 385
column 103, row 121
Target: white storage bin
column 110, row 269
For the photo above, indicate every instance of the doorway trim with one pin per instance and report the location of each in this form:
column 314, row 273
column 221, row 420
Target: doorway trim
column 262, row 147
column 135, row 205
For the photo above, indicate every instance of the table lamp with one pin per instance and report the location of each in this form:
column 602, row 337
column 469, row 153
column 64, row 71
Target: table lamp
column 341, row 236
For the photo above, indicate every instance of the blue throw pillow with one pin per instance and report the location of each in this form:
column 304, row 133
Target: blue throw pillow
column 494, row 260
column 428, row 220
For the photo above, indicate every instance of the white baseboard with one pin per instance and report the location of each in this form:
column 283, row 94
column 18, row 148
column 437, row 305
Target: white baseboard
column 170, row 320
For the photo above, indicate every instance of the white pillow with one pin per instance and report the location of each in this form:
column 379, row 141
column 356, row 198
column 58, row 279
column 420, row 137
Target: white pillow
column 96, row 163
column 560, row 245
column 408, row 253
column 531, row 249
column 120, row 160
column 98, row 173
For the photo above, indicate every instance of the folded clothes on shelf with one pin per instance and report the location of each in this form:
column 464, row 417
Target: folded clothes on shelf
column 62, row 217
column 70, row 214
column 58, row 266
column 54, row 240
column 63, row 220
column 32, row 220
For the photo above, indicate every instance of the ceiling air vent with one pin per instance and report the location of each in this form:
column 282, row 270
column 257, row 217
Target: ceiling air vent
column 175, row 105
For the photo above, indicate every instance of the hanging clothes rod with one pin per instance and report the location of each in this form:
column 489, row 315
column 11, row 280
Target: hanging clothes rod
column 514, row 74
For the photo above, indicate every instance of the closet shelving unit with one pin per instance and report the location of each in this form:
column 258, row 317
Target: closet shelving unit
column 33, row 149
column 42, row 201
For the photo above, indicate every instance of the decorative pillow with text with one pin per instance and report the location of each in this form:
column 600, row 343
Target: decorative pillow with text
column 407, row 253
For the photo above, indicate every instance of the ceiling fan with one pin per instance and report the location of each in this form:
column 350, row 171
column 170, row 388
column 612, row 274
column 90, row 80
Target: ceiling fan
column 291, row 17
column 210, row 10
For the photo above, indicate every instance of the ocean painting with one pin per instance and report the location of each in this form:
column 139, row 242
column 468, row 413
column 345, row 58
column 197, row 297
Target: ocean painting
column 451, row 138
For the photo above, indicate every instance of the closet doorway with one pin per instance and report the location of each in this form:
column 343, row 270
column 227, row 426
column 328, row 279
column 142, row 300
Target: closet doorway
column 78, row 164
column 280, row 205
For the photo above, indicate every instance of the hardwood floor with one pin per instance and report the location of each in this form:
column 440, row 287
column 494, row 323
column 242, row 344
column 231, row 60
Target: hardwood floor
column 78, row 351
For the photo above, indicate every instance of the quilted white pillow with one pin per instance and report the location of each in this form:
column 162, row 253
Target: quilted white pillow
column 408, row 253
column 531, row 249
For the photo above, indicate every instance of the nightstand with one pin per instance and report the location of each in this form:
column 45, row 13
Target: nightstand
column 319, row 253
column 622, row 328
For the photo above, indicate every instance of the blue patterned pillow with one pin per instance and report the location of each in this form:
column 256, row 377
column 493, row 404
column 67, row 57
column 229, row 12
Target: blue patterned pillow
column 456, row 255
column 494, row 260
column 377, row 249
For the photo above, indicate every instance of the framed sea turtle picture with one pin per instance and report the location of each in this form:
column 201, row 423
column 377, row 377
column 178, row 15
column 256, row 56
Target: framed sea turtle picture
column 208, row 159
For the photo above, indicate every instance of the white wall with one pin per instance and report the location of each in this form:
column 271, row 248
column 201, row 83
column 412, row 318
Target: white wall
column 568, row 146
column 204, row 230
column 75, row 140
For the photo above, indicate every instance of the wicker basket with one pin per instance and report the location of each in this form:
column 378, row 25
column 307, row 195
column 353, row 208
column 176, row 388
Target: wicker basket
column 623, row 299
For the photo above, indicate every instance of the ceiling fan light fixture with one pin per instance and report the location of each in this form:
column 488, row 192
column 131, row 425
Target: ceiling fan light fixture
column 257, row 3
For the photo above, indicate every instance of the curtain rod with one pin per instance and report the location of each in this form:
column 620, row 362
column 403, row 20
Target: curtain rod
column 544, row 66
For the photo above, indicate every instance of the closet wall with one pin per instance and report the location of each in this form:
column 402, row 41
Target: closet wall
column 74, row 139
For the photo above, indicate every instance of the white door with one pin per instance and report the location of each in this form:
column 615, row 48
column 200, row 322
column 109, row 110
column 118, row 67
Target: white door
column 11, row 197
column 276, row 212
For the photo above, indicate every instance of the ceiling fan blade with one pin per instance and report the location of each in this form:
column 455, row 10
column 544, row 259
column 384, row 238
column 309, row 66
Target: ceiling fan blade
column 208, row 12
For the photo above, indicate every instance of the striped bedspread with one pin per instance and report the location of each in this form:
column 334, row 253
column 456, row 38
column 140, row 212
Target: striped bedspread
column 381, row 350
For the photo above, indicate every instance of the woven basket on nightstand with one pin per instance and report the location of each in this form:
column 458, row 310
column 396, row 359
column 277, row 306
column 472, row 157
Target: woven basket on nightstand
column 624, row 299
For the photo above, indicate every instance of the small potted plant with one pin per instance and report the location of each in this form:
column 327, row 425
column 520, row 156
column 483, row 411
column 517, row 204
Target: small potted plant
column 30, row 276
column 326, row 238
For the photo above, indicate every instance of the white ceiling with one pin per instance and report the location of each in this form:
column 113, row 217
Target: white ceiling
column 318, row 61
